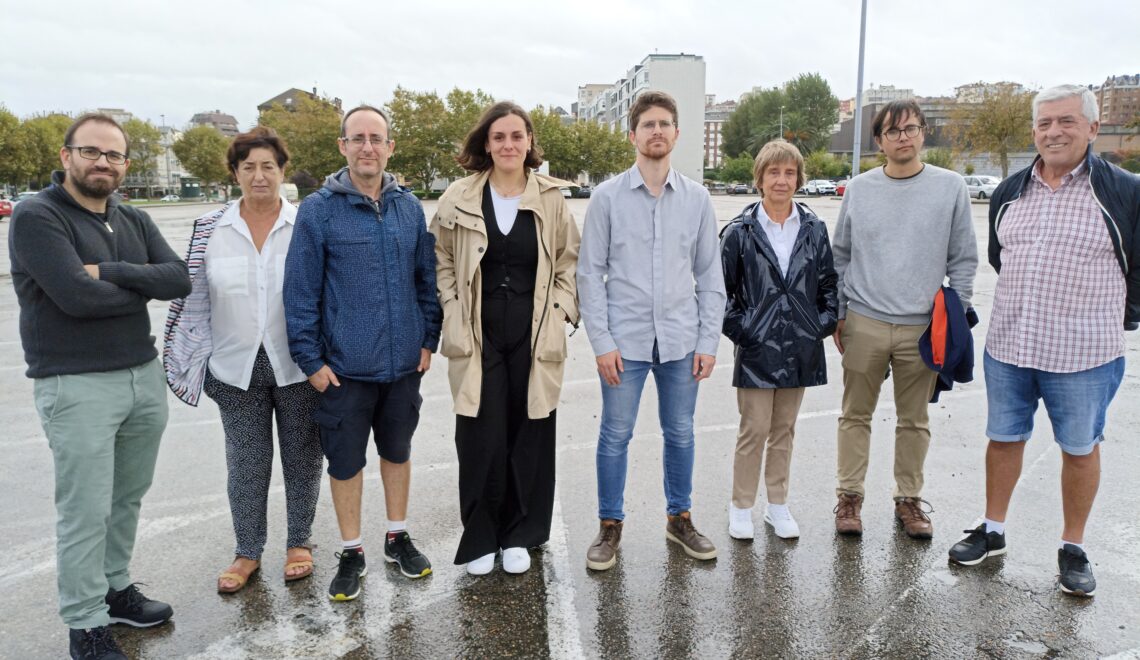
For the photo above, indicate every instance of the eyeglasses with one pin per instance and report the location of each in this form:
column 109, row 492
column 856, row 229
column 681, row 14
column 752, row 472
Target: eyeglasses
column 912, row 131
column 649, row 124
column 357, row 141
column 91, row 153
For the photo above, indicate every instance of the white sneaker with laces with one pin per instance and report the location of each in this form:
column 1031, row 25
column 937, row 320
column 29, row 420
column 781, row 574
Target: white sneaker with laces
column 740, row 523
column 516, row 560
column 482, row 565
column 782, row 522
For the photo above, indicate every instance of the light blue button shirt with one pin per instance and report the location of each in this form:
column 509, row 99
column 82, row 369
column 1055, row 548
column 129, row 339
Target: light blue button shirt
column 649, row 269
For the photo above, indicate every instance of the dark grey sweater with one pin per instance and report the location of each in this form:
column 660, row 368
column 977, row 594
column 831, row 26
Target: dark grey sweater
column 70, row 322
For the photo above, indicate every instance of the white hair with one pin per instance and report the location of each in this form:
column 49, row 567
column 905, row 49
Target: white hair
column 1062, row 92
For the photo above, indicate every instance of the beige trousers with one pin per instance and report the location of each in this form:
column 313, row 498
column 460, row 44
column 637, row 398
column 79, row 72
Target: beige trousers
column 870, row 346
column 767, row 428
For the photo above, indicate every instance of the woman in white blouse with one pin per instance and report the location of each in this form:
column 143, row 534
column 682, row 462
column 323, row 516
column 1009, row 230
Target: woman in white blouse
column 228, row 338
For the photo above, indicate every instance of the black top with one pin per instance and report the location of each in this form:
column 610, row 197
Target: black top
column 510, row 264
column 71, row 323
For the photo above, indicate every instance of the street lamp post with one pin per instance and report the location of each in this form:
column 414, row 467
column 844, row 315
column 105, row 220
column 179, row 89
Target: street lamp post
column 166, row 150
column 858, row 127
column 781, row 122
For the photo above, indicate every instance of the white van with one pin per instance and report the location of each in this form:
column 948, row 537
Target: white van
column 289, row 192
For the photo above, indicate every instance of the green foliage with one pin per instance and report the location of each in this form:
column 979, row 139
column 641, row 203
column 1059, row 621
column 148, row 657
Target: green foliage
column 871, row 162
column 822, row 165
column 1129, row 159
column 969, row 169
column 310, row 129
column 202, row 151
column 14, row 164
column 737, row 170
column 43, row 138
column 809, row 112
column 559, row 143
column 146, row 145
column 939, row 157
column 429, row 131
column 1000, row 124
column 603, row 151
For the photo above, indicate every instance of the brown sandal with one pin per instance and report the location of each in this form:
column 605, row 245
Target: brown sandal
column 306, row 564
column 232, row 573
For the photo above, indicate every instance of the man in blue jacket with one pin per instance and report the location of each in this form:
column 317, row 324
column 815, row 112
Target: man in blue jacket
column 1063, row 238
column 363, row 320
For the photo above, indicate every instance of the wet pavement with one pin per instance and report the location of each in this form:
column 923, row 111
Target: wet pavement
column 884, row 595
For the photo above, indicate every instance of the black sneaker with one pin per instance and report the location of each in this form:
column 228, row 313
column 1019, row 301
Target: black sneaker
column 398, row 549
column 131, row 607
column 94, row 644
column 977, row 546
column 1076, row 571
column 346, row 584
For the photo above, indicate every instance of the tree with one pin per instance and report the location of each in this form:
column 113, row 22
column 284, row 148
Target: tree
column 425, row 149
column 822, row 165
column 464, row 108
column 1134, row 124
column 809, row 111
column 202, row 151
column 43, row 138
column 939, row 157
column 737, row 170
column 1001, row 124
column 146, row 145
column 14, row 164
column 603, row 150
column 310, row 129
column 561, row 147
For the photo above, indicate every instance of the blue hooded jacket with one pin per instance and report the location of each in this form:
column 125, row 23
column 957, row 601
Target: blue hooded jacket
column 359, row 288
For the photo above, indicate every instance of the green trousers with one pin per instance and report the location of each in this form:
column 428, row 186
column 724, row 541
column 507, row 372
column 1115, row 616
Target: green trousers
column 104, row 430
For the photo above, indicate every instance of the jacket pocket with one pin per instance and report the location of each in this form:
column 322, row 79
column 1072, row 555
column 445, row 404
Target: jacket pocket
column 456, row 340
column 552, row 336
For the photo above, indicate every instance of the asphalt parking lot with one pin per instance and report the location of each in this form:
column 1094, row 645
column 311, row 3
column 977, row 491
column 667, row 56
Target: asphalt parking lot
column 822, row 596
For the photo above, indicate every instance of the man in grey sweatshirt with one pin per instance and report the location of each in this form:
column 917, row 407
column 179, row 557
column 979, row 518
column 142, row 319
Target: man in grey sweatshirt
column 903, row 230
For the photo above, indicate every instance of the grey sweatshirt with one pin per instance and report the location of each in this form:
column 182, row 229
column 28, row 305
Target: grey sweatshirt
column 898, row 240
column 70, row 322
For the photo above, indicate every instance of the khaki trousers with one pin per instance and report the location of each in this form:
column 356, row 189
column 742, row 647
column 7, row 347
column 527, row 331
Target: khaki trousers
column 870, row 346
column 767, row 428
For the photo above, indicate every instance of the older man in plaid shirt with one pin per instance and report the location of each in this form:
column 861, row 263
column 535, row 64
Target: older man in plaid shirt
column 1063, row 237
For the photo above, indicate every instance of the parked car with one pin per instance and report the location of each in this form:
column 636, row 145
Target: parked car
column 584, row 192
column 818, row 187
column 566, row 192
column 5, row 208
column 27, row 194
column 982, row 187
column 840, row 187
column 739, row 189
column 717, row 188
column 171, row 198
column 123, row 195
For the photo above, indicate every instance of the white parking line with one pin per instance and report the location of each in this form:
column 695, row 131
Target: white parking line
column 563, row 636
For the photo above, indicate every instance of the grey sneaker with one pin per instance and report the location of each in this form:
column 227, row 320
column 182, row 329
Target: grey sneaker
column 603, row 551
column 680, row 530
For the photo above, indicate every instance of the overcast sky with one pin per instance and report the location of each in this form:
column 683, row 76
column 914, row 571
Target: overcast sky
column 176, row 59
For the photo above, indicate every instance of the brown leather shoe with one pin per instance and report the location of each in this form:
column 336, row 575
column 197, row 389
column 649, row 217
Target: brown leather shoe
column 680, row 530
column 847, row 514
column 908, row 511
column 603, row 551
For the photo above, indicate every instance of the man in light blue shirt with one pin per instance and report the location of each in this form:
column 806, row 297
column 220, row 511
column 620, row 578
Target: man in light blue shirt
column 652, row 297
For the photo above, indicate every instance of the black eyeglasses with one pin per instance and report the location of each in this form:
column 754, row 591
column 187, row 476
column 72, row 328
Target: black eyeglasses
column 912, row 131
column 91, row 153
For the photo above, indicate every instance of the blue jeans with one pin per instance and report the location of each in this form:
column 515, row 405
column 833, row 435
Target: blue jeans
column 676, row 401
column 1076, row 402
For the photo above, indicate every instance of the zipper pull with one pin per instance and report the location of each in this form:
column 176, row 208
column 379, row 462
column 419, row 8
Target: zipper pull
column 107, row 224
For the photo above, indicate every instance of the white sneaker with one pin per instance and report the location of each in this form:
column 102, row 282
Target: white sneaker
column 516, row 560
column 482, row 565
column 740, row 523
column 782, row 522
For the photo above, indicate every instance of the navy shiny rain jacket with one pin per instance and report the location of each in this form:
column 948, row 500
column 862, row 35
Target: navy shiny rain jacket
column 778, row 323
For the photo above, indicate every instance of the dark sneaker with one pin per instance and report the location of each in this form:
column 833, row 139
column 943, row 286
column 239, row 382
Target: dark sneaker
column 1076, row 571
column 398, row 549
column 603, row 551
column 915, row 521
column 977, row 546
column 346, row 584
column 680, row 530
column 131, row 607
column 94, row 644
column 847, row 514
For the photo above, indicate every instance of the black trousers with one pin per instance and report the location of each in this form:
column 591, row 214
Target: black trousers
column 506, row 461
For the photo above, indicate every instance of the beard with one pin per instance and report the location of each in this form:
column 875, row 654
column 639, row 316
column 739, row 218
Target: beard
column 96, row 188
column 656, row 151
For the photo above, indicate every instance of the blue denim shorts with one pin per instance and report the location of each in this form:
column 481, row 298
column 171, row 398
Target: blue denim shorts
column 1076, row 402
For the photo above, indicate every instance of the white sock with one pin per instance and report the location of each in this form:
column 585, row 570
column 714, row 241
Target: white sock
column 778, row 508
column 994, row 526
column 397, row 525
column 1063, row 543
column 354, row 544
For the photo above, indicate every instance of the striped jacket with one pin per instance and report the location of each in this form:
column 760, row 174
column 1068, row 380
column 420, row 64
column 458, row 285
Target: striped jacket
column 187, row 342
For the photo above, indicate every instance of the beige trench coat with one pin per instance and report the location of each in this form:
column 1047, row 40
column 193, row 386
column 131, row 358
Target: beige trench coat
column 460, row 241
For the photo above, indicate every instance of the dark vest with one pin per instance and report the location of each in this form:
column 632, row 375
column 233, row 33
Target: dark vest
column 510, row 264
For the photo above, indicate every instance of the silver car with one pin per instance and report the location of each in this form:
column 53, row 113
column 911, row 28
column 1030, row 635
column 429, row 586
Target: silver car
column 982, row 187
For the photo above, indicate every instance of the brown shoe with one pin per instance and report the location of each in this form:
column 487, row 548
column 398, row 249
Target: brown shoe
column 680, row 530
column 603, row 551
column 847, row 518
column 908, row 511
